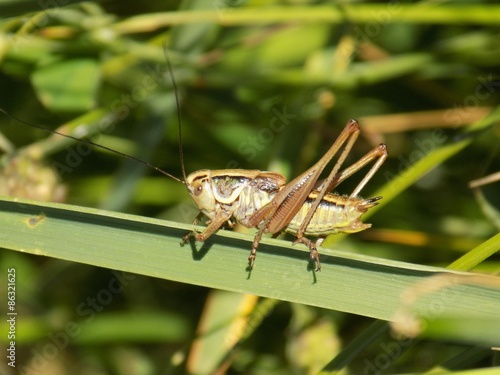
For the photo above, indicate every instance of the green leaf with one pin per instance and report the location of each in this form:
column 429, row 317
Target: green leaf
column 224, row 320
column 69, row 85
column 352, row 283
column 478, row 254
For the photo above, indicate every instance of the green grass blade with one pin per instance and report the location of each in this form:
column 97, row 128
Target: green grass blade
column 477, row 255
column 352, row 283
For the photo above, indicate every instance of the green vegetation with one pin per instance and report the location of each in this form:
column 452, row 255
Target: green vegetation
column 102, row 283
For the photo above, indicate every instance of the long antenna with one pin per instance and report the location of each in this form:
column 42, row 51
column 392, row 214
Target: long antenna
column 174, row 85
column 86, row 141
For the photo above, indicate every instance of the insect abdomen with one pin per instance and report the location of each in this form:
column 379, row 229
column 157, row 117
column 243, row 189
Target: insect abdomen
column 335, row 214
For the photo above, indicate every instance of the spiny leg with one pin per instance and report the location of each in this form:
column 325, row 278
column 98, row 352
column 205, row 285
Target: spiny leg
column 379, row 153
column 313, row 251
column 212, row 227
column 193, row 233
column 335, row 178
column 278, row 213
column 292, row 196
column 255, row 245
column 257, row 238
column 347, row 138
column 330, row 181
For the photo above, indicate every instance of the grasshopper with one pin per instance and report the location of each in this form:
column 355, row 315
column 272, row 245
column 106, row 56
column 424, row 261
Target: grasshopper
column 264, row 200
column 302, row 207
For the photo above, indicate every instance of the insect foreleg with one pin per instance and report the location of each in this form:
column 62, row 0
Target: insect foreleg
column 185, row 239
column 213, row 225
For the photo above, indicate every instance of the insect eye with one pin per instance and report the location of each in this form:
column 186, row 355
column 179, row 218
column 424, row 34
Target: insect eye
column 198, row 190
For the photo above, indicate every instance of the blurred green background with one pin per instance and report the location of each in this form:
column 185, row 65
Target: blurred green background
column 262, row 85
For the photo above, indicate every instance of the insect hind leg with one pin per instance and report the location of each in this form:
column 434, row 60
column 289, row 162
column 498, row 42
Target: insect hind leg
column 313, row 249
column 379, row 154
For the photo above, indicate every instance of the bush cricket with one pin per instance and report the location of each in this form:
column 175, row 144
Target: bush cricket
column 302, row 207
column 264, row 200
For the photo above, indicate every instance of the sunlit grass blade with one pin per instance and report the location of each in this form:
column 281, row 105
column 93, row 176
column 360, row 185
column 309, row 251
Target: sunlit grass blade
column 352, row 283
column 477, row 255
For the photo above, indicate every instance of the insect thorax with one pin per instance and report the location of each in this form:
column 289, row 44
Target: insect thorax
column 241, row 196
